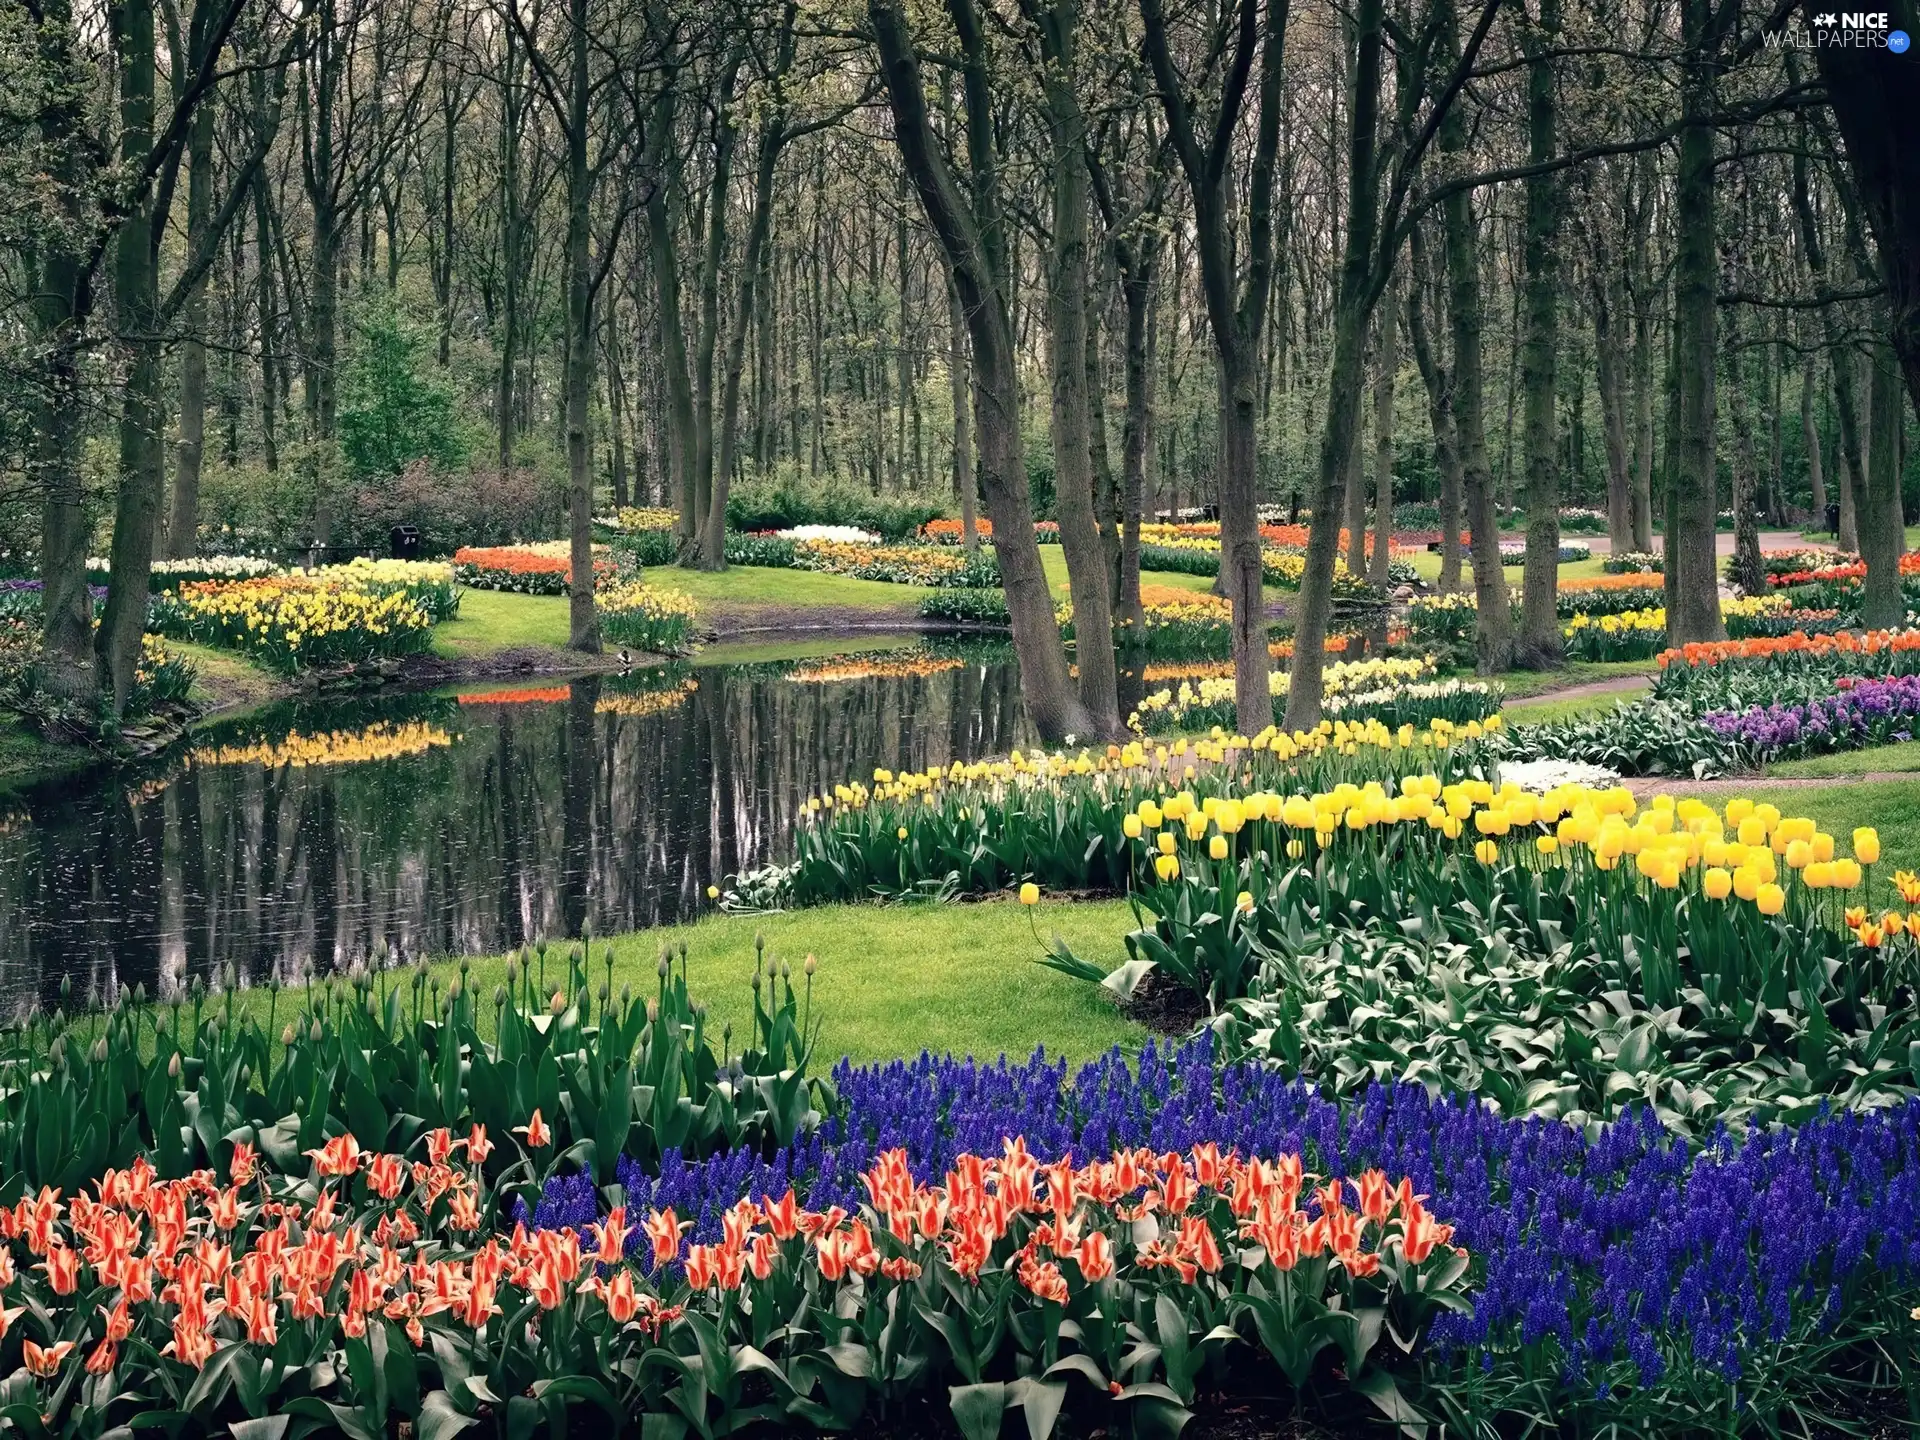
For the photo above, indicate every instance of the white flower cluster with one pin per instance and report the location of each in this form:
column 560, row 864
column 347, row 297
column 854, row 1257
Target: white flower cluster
column 1540, row 776
column 217, row 567
column 844, row 534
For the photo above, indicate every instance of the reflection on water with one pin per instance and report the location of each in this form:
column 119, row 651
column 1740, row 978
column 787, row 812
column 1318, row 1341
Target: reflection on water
column 466, row 823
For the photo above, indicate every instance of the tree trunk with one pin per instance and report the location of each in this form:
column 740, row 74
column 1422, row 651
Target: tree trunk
column 184, row 517
column 1811, row 432
column 1749, row 570
column 1439, row 387
column 970, row 235
column 1071, row 407
column 1872, row 96
column 965, row 487
column 1604, row 290
column 1691, row 566
column 709, row 543
column 1353, row 517
column 1494, row 621
column 1136, row 439
column 62, row 301
column 1387, row 366
column 1883, row 535
column 1540, row 643
column 142, row 454
column 583, row 622
column 773, row 138
column 662, row 226
column 1642, row 433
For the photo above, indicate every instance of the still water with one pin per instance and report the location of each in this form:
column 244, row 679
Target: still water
column 460, row 822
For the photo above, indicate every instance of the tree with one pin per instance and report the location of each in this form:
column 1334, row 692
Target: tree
column 1236, row 293
column 969, row 227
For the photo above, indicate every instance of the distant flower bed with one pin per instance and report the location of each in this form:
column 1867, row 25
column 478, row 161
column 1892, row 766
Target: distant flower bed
column 169, row 574
column 647, row 617
column 1610, row 594
column 1569, row 553
column 1394, row 692
column 1176, row 621
column 1633, row 562
column 340, row 615
column 524, row 695
column 932, row 565
column 542, row 569
column 944, row 531
column 1628, row 635
column 835, row 534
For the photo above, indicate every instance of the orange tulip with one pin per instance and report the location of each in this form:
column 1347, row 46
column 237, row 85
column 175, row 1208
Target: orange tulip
column 45, row 1364
column 538, row 1136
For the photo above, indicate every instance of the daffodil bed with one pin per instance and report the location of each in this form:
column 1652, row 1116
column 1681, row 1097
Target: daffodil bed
column 338, row 615
column 1392, row 690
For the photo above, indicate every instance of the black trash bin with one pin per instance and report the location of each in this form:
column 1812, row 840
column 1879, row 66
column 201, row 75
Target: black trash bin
column 404, row 542
column 1833, row 518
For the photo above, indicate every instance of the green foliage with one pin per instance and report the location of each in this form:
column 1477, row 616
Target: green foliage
column 393, row 410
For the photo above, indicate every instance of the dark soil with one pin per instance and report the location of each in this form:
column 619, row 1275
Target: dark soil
column 1164, row 1005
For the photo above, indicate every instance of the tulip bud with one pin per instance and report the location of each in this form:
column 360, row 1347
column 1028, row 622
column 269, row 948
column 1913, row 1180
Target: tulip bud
column 786, row 971
column 606, row 993
column 66, row 988
column 286, row 1035
column 465, row 964
column 513, row 972
column 653, row 1010
column 812, row 963
column 557, row 1004
column 453, row 988
column 100, row 1051
column 173, row 1066
column 315, row 1033
column 662, row 966
column 499, row 997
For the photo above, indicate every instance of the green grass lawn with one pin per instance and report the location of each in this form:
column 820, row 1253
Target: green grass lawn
column 493, row 620
column 1891, row 806
column 893, row 980
column 752, row 585
column 1902, row 756
column 1426, row 564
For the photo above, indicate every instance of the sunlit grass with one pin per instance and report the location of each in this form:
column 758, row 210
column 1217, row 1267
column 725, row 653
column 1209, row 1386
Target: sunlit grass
column 1902, row 757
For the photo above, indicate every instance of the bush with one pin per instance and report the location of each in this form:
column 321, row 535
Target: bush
column 395, row 409
column 452, row 508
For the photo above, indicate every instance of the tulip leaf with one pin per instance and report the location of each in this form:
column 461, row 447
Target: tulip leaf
column 270, row 1427
column 977, row 1409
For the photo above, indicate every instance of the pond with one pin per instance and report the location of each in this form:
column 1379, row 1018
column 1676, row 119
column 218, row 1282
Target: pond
column 462, row 822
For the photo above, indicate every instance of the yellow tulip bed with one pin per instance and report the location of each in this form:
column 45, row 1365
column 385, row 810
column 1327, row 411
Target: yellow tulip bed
column 337, row 616
column 1365, row 875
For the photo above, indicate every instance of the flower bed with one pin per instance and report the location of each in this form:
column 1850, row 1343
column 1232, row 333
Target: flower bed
column 1618, row 1278
column 1177, row 622
column 647, row 617
column 1570, row 553
column 1610, row 594
column 542, row 569
column 1734, row 673
column 340, row 615
column 170, row 574
column 1863, row 712
column 1394, row 692
column 1628, row 635
column 935, row 565
column 1634, row 562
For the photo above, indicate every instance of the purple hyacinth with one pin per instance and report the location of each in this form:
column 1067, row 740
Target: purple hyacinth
column 1616, row 1257
column 1867, row 712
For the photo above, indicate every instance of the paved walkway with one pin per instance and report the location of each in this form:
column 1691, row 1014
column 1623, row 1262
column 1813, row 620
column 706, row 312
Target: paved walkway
column 1722, row 542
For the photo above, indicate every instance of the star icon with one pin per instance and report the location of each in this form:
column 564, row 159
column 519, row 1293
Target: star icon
column 1824, row 21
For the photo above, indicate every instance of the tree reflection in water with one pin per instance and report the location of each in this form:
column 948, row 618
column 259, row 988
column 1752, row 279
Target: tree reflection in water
column 440, row 824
